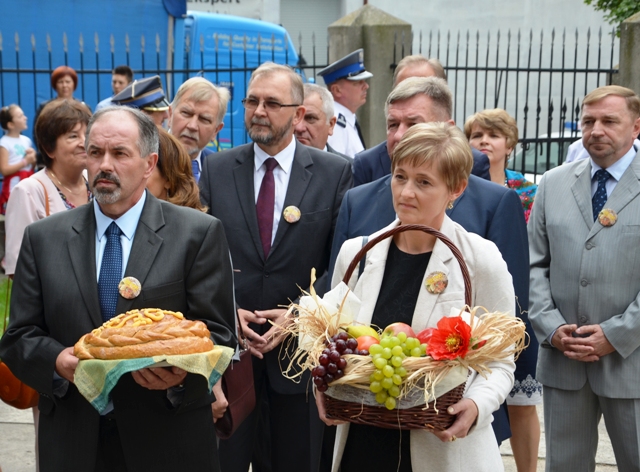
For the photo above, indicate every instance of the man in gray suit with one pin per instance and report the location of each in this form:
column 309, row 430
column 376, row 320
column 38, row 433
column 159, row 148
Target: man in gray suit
column 585, row 288
column 159, row 418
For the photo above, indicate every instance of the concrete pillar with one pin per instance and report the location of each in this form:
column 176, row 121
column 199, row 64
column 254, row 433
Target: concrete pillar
column 376, row 32
column 629, row 75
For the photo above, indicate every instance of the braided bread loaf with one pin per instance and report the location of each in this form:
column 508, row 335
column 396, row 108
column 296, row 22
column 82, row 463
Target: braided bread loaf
column 144, row 333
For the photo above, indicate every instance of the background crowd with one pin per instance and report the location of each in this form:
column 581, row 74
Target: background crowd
column 301, row 195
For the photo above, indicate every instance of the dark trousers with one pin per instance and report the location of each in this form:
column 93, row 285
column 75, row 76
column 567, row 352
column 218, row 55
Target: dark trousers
column 110, row 457
column 289, row 423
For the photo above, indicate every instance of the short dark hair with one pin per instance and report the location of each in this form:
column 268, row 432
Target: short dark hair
column 124, row 70
column 57, row 118
column 6, row 115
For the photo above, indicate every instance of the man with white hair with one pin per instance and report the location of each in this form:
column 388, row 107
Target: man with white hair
column 196, row 117
column 318, row 122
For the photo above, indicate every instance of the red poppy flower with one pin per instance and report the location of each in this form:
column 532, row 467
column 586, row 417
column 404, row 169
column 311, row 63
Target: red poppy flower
column 450, row 340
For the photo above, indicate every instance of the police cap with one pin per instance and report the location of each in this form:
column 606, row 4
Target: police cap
column 350, row 67
column 146, row 94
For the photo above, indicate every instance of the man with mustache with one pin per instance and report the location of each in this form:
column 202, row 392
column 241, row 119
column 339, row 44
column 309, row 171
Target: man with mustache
column 345, row 80
column 66, row 284
column 585, row 288
column 278, row 201
column 196, row 117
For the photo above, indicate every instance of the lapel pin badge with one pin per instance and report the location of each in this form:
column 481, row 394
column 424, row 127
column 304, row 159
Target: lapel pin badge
column 291, row 214
column 129, row 288
column 436, row 282
column 607, row 217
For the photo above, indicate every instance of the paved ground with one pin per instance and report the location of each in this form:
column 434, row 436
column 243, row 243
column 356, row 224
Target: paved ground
column 17, row 444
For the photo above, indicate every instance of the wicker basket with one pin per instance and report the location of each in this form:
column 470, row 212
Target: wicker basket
column 408, row 418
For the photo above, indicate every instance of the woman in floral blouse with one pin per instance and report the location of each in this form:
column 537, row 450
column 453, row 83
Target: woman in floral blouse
column 495, row 133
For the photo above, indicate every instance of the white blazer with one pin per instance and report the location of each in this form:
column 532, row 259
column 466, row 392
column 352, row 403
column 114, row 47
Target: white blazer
column 492, row 288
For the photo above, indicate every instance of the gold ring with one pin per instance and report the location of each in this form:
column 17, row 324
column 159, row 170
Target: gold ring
column 453, row 438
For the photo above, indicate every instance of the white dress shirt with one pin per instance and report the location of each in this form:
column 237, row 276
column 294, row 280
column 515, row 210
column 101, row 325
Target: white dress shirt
column 127, row 224
column 616, row 170
column 281, row 176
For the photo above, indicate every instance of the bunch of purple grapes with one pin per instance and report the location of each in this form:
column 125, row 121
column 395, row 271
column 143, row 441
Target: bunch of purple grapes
column 332, row 364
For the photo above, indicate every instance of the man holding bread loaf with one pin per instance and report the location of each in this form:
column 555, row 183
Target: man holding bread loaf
column 162, row 256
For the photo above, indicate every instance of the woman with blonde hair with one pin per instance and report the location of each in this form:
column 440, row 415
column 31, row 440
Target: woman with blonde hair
column 172, row 179
column 430, row 168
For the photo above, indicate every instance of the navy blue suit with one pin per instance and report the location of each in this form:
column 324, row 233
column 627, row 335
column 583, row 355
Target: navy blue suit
column 485, row 208
column 375, row 163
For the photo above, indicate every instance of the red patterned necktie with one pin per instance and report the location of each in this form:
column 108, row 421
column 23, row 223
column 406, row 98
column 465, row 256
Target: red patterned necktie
column 265, row 204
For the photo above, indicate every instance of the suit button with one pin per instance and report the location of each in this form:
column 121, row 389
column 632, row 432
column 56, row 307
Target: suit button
column 267, row 274
column 583, row 320
column 584, row 282
column 589, row 246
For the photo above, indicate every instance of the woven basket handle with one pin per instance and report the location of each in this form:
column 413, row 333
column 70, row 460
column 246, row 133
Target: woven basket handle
column 401, row 229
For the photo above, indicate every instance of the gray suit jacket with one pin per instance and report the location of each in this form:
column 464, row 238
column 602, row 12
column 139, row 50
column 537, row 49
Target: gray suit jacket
column 317, row 184
column 585, row 273
column 181, row 258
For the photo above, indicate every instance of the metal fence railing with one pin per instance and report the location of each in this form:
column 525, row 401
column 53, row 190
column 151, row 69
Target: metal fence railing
column 540, row 80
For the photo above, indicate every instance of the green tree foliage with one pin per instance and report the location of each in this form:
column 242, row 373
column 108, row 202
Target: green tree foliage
column 616, row 10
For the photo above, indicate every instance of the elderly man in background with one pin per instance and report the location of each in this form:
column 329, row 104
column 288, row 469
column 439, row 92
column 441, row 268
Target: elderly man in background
column 196, row 117
column 318, row 122
column 585, row 288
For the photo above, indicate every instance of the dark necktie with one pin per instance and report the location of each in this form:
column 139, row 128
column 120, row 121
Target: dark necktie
column 196, row 169
column 110, row 272
column 600, row 197
column 265, row 204
column 360, row 134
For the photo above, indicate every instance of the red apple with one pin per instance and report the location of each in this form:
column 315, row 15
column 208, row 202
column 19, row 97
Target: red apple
column 394, row 328
column 424, row 336
column 365, row 342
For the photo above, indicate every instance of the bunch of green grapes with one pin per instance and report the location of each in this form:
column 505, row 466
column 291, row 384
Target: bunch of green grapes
column 387, row 357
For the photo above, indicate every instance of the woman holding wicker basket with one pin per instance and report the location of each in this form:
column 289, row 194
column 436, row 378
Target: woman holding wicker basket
column 430, row 169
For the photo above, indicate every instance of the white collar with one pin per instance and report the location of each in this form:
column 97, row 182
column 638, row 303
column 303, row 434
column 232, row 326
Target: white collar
column 344, row 111
column 617, row 168
column 284, row 157
column 127, row 222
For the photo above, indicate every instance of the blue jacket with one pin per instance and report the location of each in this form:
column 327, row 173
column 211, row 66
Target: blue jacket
column 374, row 163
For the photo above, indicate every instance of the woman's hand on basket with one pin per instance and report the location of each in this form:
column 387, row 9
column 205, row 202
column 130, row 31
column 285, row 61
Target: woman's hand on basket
column 255, row 341
column 322, row 412
column 466, row 412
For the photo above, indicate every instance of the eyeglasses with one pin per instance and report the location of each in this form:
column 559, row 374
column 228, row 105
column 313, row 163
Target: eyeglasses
column 269, row 105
